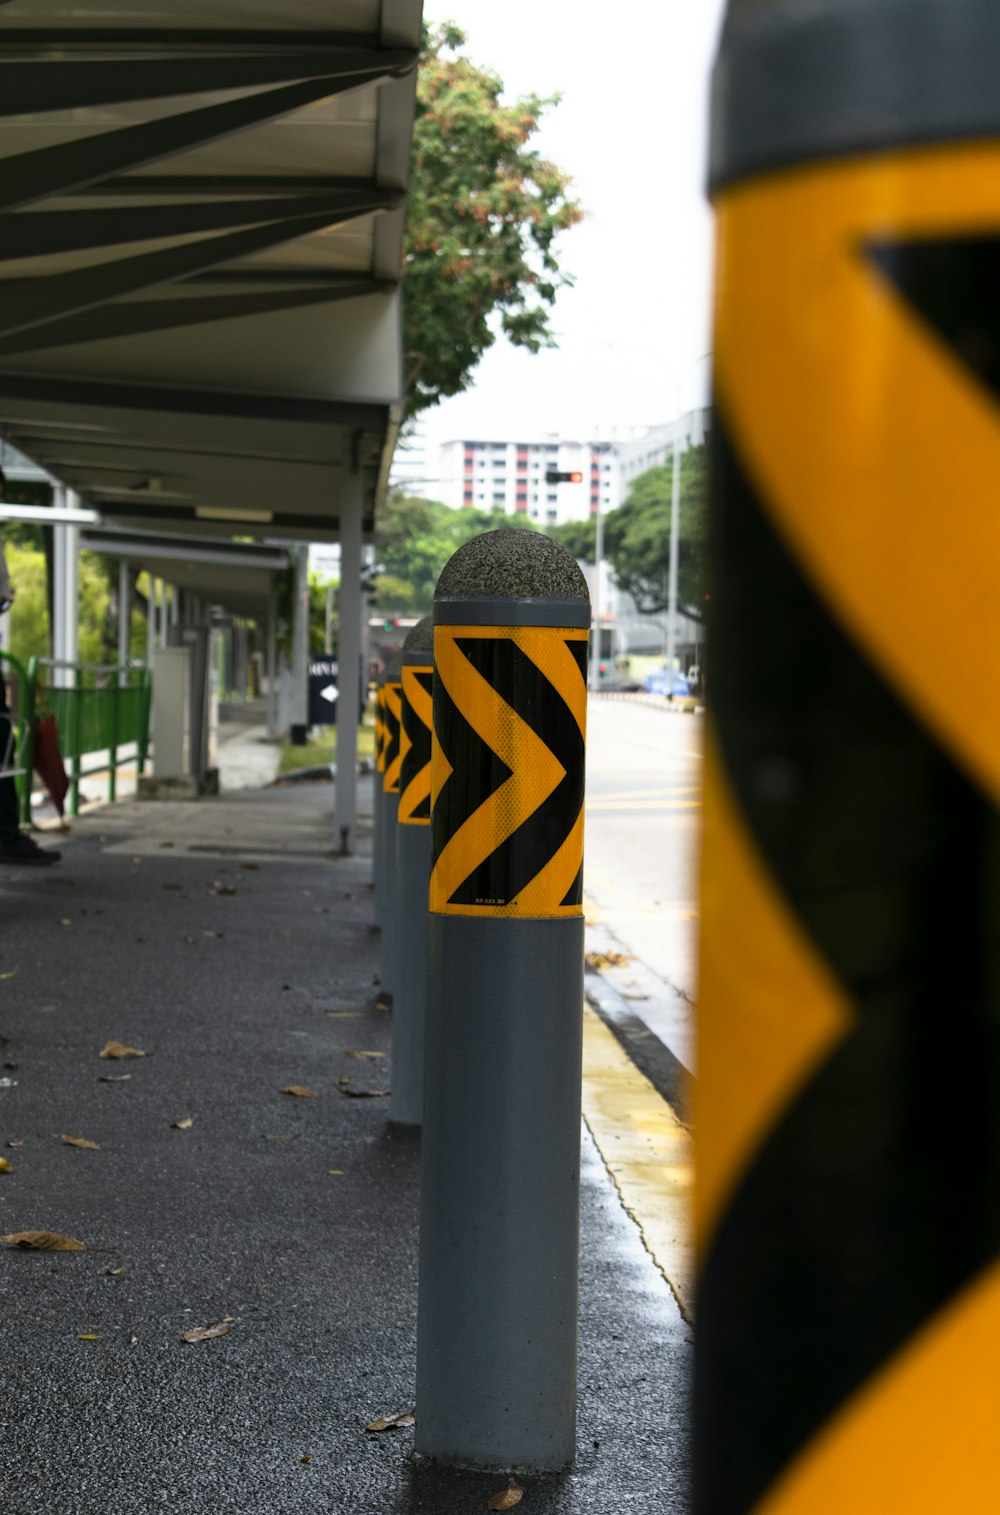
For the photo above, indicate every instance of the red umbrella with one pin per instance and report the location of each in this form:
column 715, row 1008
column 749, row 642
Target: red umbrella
column 48, row 760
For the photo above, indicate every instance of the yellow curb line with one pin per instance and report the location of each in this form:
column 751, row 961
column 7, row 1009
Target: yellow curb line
column 647, row 1151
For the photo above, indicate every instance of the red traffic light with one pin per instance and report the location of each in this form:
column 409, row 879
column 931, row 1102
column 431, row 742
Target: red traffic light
column 557, row 476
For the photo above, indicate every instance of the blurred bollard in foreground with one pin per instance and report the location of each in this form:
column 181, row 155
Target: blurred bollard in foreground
column 849, row 1032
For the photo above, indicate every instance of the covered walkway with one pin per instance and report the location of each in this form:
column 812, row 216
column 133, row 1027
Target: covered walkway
column 222, row 940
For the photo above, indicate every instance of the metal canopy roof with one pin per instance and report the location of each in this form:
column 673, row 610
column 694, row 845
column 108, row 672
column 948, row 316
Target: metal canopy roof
column 238, row 576
column 201, row 219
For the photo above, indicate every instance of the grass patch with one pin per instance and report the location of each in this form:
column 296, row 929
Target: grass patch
column 324, row 749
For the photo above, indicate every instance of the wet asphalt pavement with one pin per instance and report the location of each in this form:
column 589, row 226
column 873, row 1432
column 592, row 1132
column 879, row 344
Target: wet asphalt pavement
column 222, row 940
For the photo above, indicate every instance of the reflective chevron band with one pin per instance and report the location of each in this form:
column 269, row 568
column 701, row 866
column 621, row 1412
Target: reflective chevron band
column 415, row 746
column 848, row 1168
column 391, row 698
column 508, row 770
column 380, row 729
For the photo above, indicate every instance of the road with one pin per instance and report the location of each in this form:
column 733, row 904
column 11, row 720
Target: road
column 643, row 813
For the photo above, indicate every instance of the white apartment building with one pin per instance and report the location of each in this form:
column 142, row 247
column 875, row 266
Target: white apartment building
column 512, row 476
column 655, row 447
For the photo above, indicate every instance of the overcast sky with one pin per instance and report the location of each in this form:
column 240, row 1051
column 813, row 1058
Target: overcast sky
column 631, row 130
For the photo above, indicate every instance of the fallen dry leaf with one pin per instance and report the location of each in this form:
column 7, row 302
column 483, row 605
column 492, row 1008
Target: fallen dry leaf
column 335, row 1172
column 182, row 1125
column 113, row 1078
column 293, row 1138
column 65, row 921
column 606, row 959
column 384, row 1003
column 9, row 975
column 116, row 1049
column 365, row 1093
column 219, row 888
column 306, row 1457
column 5, row 1166
column 87, row 1336
column 16, row 1142
column 508, row 1497
column 393, row 1422
column 344, row 1015
column 81, row 1141
column 206, row 1333
column 364, row 1054
column 43, row 1241
column 112, row 1272
column 300, row 1092
column 211, row 933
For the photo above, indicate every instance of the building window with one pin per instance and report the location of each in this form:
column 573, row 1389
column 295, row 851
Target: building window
column 550, row 515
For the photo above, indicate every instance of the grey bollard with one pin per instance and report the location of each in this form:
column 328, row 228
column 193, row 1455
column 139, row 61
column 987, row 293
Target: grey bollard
column 391, row 694
column 378, row 884
column 499, row 1236
column 413, row 871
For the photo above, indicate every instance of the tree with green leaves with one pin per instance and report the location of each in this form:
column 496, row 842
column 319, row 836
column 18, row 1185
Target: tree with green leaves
column 416, row 538
column 485, row 210
column 637, row 538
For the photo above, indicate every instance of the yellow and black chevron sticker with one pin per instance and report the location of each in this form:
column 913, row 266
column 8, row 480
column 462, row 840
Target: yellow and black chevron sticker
column 380, row 729
column 391, row 698
column 507, row 770
column 846, row 1210
column 415, row 747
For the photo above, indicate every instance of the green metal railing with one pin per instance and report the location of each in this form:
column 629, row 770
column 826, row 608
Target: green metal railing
column 98, row 709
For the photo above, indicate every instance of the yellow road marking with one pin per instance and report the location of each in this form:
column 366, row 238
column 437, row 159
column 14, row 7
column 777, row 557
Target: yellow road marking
column 651, row 804
column 648, row 1153
column 656, row 793
column 609, row 889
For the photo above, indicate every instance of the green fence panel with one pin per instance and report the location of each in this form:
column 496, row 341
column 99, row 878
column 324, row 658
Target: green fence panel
column 98, row 711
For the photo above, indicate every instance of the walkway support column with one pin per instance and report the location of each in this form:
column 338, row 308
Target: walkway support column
column 300, row 651
column 348, row 667
column 497, row 1309
column 272, row 667
column 124, row 612
column 58, row 628
column 848, row 1120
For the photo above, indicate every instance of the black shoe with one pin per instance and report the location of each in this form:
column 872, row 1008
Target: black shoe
column 25, row 850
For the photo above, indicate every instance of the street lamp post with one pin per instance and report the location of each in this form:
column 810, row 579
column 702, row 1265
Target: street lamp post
column 675, row 511
column 683, row 435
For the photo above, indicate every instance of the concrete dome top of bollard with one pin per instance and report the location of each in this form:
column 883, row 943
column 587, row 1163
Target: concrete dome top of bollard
column 420, row 638
column 513, row 576
column 392, row 669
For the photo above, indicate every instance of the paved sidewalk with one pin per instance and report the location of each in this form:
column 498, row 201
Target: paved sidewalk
column 222, row 939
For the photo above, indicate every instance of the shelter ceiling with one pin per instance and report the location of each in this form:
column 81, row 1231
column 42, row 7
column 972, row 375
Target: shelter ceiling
column 201, row 219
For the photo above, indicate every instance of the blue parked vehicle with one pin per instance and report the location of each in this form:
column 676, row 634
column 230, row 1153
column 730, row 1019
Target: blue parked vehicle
column 671, row 683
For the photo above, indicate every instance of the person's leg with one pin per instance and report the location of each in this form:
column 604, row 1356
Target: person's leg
column 10, row 827
column 16, row 846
